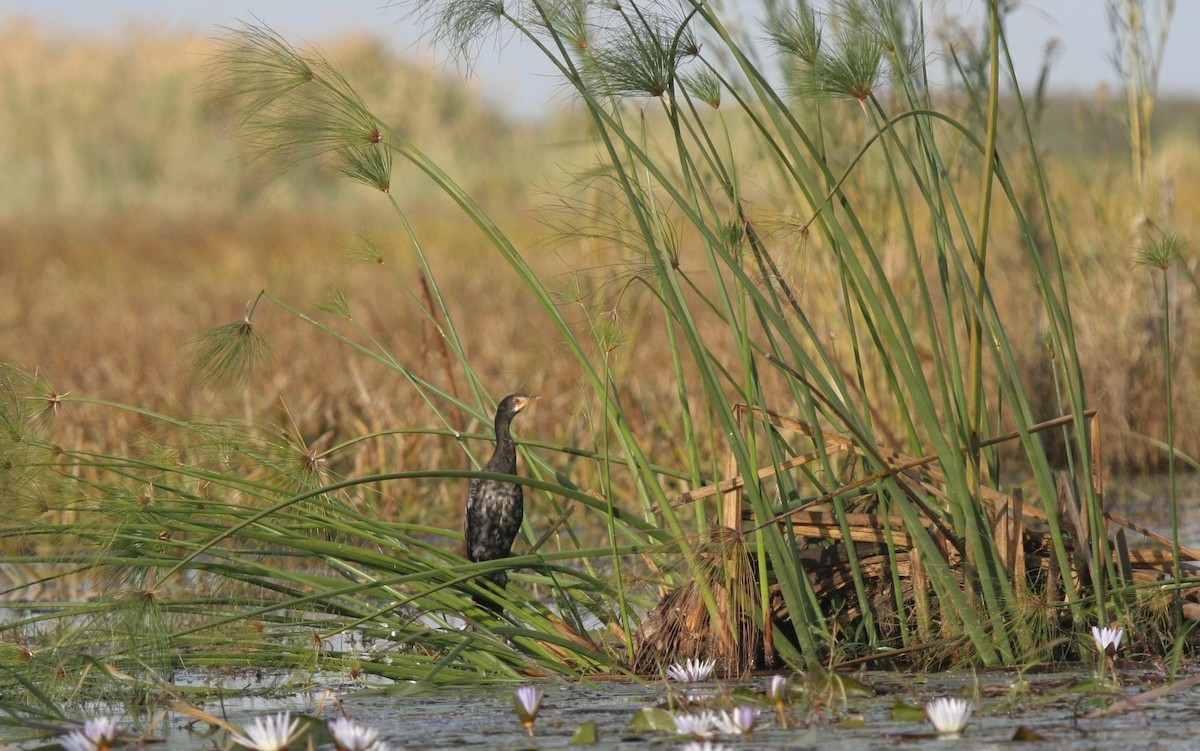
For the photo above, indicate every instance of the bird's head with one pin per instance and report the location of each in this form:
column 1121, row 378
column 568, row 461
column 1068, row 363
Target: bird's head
column 514, row 404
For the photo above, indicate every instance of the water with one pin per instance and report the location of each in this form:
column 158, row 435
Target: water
column 1048, row 704
column 1145, row 500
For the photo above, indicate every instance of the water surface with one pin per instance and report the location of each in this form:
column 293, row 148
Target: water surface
column 1048, row 704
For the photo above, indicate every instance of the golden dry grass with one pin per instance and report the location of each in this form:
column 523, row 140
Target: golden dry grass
column 130, row 223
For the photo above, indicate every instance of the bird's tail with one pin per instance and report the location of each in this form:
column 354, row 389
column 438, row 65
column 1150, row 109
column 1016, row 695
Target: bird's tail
column 486, row 601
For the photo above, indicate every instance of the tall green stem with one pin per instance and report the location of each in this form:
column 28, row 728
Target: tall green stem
column 1177, row 605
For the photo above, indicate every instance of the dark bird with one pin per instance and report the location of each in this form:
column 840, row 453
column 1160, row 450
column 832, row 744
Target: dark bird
column 495, row 507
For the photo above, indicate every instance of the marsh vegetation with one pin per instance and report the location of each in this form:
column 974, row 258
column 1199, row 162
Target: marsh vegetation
column 836, row 367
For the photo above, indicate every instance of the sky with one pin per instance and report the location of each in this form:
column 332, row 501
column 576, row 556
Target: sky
column 518, row 83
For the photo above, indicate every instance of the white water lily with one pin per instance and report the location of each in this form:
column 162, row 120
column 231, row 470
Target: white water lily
column 350, row 735
column 703, row 746
column 699, row 725
column 1108, row 640
column 97, row 734
column 528, row 701
column 271, row 733
column 949, row 716
column 77, row 741
column 691, row 671
column 738, row 722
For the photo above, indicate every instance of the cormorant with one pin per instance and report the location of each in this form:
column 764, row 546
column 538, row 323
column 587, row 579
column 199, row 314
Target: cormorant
column 495, row 507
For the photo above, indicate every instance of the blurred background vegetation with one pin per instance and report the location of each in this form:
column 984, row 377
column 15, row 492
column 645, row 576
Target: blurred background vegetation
column 131, row 220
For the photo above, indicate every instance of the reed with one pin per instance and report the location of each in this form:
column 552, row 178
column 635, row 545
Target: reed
column 1162, row 252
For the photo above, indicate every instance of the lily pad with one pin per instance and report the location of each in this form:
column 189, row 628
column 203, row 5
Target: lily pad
column 825, row 680
column 653, row 719
column 749, row 697
column 902, row 711
column 1025, row 733
column 585, row 735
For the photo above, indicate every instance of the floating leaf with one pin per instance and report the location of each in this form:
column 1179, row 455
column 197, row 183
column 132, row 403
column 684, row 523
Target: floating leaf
column 902, row 711
column 653, row 719
column 585, row 735
column 1090, row 686
column 824, row 680
column 743, row 695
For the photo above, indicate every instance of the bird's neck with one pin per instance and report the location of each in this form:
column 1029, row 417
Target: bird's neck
column 506, row 450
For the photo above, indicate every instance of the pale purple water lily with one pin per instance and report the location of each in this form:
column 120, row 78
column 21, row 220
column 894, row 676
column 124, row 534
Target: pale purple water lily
column 691, row 671
column 777, row 690
column 350, row 735
column 949, row 716
column 699, row 725
column 270, row 733
column 740, row 721
column 97, row 734
column 777, row 694
column 528, row 701
column 1108, row 640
